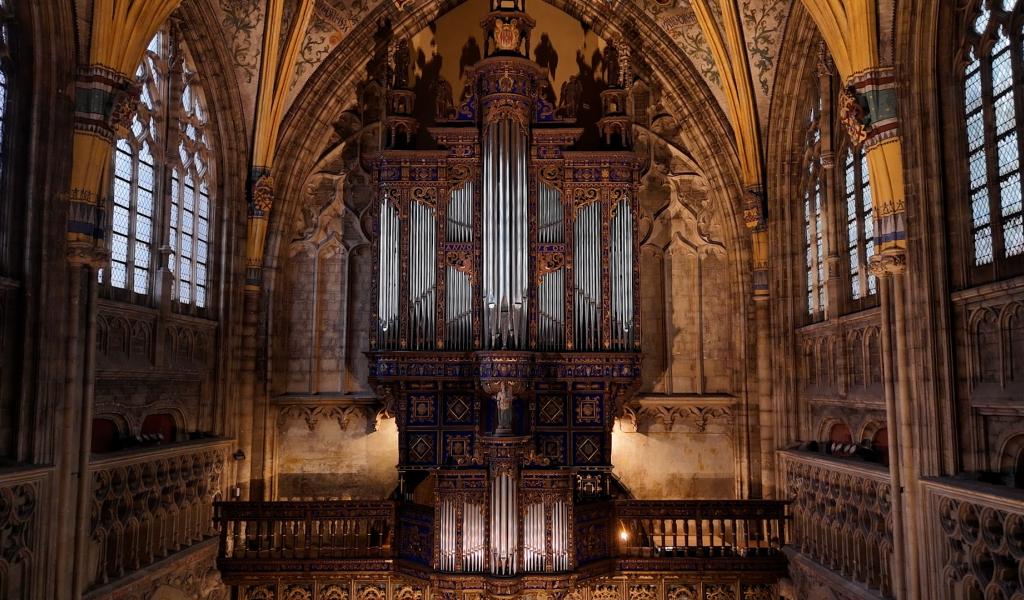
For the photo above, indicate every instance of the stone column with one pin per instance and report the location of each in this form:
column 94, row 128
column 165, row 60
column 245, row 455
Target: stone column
column 261, row 201
column 885, row 283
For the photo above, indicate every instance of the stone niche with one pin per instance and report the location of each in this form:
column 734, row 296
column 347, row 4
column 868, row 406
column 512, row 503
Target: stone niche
column 334, row 452
column 671, row 449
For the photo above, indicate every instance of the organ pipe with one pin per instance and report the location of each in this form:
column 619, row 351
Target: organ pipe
column 422, row 275
column 388, row 274
column 504, row 526
column 506, row 240
column 551, row 293
column 587, row 272
column 459, row 301
column 622, row 276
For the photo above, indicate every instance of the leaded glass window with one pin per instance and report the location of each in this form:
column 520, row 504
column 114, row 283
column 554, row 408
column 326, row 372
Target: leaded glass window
column 991, row 126
column 860, row 225
column 163, row 181
column 135, row 182
column 813, row 197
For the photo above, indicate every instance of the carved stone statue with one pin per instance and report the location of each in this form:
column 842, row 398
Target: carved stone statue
column 445, row 106
column 568, row 103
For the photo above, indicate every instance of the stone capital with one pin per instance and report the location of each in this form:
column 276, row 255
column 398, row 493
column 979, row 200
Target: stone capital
column 888, row 263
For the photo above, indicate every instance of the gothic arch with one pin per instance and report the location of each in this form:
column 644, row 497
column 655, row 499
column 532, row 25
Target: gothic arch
column 327, row 94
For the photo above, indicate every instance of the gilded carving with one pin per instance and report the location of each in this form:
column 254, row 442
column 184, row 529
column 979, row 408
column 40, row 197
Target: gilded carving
column 297, row 591
column 407, row 592
column 643, row 592
column 719, row 592
column 683, row 591
column 333, row 591
column 852, row 115
column 262, row 196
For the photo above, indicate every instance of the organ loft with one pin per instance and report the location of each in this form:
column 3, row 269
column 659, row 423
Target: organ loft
column 511, row 300
column 507, row 331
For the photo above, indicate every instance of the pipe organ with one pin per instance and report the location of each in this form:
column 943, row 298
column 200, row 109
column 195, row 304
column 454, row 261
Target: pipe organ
column 506, row 336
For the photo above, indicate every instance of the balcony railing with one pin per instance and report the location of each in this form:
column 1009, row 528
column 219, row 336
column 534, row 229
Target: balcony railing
column 147, row 505
column 278, row 538
column 841, row 516
column 975, row 540
column 295, row 536
column 23, row 493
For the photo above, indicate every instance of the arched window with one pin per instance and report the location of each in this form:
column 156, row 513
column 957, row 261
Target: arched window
column 163, row 182
column 991, row 110
column 860, row 224
column 814, row 224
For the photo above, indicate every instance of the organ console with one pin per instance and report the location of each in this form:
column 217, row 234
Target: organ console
column 506, row 334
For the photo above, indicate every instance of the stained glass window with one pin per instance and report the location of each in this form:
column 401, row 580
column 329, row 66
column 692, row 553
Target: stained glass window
column 991, row 131
column 163, row 180
column 860, row 226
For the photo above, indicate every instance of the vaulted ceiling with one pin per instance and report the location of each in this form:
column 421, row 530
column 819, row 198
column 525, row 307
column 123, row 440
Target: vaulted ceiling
column 762, row 24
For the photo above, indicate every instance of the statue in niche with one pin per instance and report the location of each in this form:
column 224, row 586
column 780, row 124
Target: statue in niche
column 504, row 393
column 612, row 67
column 503, row 399
column 445, row 106
column 568, row 103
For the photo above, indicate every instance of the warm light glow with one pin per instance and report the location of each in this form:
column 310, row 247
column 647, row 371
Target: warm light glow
column 624, row 535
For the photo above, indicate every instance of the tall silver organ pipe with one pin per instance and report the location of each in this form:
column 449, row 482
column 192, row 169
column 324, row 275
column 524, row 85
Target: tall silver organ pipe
column 448, row 532
column 388, row 276
column 560, row 535
column 459, row 301
column 422, row 275
column 551, row 293
column 622, row 276
column 533, row 539
column 587, row 273
column 474, row 544
column 504, row 526
column 506, row 240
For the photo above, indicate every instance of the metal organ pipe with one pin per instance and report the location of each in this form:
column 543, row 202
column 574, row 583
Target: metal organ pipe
column 503, row 526
column 388, row 274
column 422, row 275
column 459, row 305
column 506, row 246
column 622, row 276
column 587, row 265
column 551, row 292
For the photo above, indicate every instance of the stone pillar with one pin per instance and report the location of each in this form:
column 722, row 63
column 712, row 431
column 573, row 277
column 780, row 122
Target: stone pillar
column 249, row 481
column 105, row 100
column 885, row 283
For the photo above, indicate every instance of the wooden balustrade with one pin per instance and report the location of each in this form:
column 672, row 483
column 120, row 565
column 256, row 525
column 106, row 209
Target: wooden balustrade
column 304, row 536
column 627, row 535
column 699, row 528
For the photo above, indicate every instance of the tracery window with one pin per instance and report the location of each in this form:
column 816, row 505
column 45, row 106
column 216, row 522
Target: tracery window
column 860, row 224
column 814, row 224
column 993, row 71
column 163, row 181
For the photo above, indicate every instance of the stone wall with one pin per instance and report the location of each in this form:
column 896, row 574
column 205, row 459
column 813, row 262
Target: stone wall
column 677, row 449
column 334, row 451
